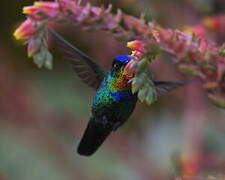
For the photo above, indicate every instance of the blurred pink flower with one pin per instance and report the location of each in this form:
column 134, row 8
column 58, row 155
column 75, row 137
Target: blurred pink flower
column 208, row 25
column 198, row 30
column 216, row 23
column 189, row 164
column 25, row 30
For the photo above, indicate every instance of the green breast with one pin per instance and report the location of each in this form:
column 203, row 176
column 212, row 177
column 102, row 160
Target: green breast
column 115, row 104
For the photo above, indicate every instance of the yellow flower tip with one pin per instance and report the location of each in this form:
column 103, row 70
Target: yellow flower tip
column 136, row 45
column 25, row 30
column 30, row 54
column 131, row 45
column 26, row 10
column 17, row 35
column 155, row 33
column 188, row 30
column 208, row 22
column 37, row 4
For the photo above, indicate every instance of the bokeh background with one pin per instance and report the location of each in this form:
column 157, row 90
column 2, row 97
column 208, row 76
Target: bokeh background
column 43, row 113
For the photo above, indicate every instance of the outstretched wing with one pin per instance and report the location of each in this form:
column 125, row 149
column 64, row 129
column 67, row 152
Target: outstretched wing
column 163, row 87
column 89, row 72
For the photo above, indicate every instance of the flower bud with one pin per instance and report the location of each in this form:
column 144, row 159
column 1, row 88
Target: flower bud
column 48, row 8
column 33, row 47
column 136, row 45
column 25, row 30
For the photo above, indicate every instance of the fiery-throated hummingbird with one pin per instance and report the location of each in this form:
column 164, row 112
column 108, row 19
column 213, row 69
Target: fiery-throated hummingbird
column 114, row 101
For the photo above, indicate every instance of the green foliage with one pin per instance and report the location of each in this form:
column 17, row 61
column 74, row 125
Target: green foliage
column 43, row 58
column 187, row 69
column 143, row 84
column 217, row 100
column 153, row 50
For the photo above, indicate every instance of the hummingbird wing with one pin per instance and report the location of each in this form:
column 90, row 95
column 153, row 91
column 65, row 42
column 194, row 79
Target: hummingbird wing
column 163, row 87
column 89, row 72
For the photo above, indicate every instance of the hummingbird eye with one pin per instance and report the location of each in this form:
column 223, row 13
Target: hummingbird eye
column 116, row 64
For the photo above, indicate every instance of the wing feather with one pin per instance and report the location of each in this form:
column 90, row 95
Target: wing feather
column 163, row 87
column 88, row 71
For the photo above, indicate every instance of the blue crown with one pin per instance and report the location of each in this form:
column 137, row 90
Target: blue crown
column 123, row 58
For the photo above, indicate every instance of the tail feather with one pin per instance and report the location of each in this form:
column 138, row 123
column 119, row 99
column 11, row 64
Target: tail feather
column 94, row 135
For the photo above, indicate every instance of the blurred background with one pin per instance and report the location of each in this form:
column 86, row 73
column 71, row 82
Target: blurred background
column 43, row 113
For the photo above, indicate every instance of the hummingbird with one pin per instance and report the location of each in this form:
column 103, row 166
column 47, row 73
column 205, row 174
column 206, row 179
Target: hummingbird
column 113, row 102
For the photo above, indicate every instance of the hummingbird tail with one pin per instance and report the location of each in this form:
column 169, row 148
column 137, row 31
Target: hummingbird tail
column 94, row 135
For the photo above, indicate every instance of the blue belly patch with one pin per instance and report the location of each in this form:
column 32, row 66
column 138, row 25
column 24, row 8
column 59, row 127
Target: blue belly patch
column 123, row 95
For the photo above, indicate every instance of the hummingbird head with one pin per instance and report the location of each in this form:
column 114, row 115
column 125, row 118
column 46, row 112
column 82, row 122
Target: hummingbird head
column 119, row 63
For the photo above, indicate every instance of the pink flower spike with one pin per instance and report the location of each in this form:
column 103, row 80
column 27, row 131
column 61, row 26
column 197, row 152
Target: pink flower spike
column 25, row 30
column 136, row 45
column 50, row 9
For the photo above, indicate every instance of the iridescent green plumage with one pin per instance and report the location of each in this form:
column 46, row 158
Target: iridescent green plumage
column 115, row 104
column 114, row 101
